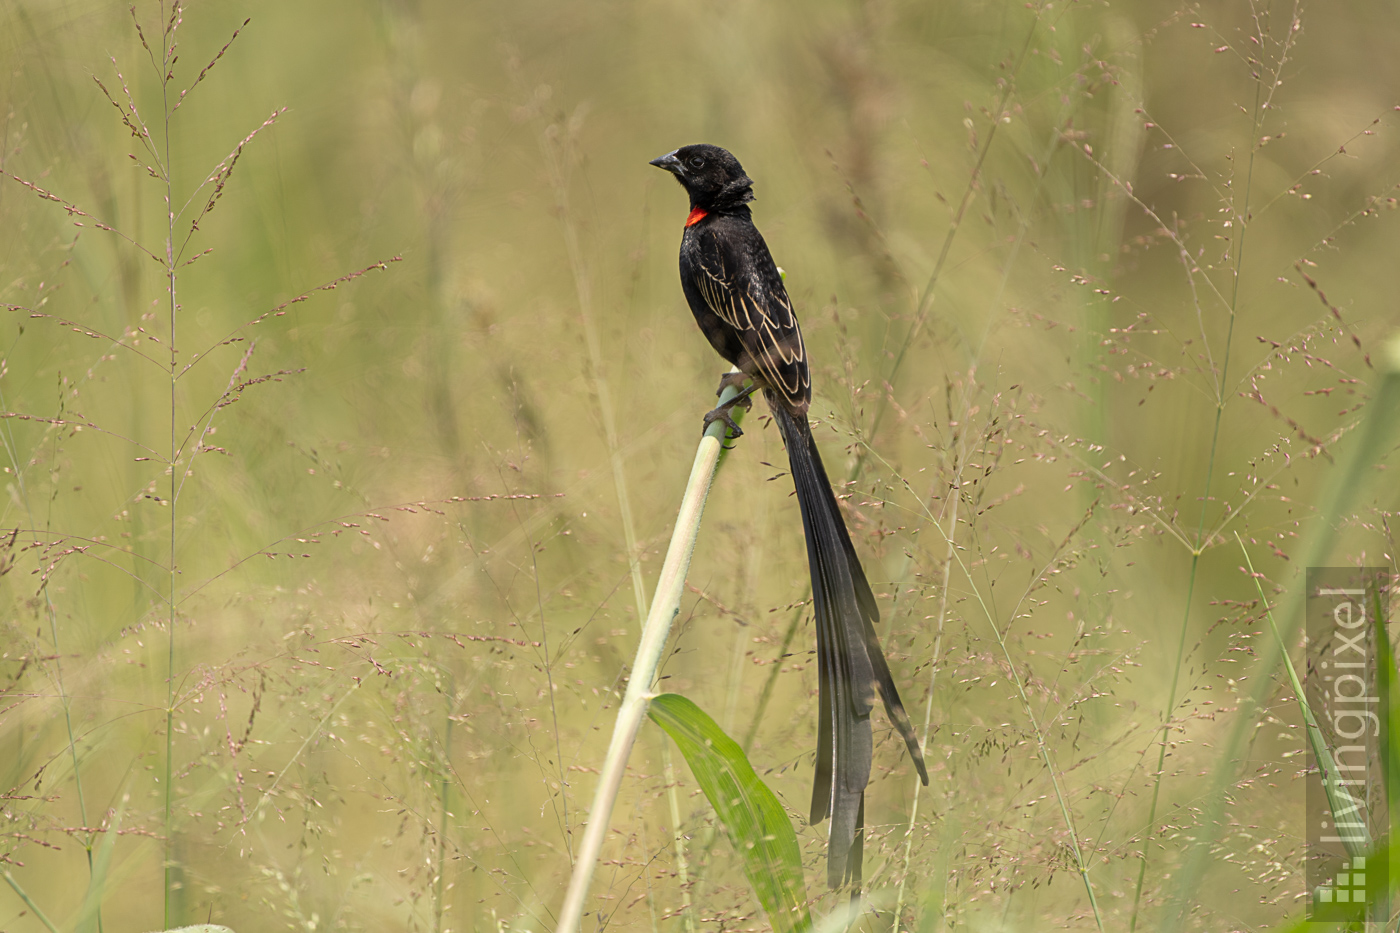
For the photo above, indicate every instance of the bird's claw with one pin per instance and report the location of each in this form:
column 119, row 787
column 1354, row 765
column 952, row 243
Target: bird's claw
column 722, row 414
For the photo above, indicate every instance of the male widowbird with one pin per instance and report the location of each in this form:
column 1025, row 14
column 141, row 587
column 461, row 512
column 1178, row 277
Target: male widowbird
column 737, row 296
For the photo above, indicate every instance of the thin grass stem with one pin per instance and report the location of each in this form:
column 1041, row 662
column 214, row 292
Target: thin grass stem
column 665, row 605
column 1241, row 217
column 29, row 902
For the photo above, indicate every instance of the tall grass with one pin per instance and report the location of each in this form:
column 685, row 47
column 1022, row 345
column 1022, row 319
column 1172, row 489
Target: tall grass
column 341, row 602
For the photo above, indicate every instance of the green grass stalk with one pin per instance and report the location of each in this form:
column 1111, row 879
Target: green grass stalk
column 766, row 693
column 925, row 297
column 29, row 902
column 651, row 649
column 51, row 613
column 1241, row 217
column 1326, row 763
column 444, row 810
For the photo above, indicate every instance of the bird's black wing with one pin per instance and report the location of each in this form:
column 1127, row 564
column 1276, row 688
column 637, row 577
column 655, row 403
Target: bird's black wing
column 738, row 281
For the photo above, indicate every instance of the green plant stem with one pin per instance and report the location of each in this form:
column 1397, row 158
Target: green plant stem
column 583, row 289
column 1201, row 542
column 1013, row 672
column 1043, row 748
column 51, row 612
column 665, row 605
column 1167, row 717
column 1241, row 219
column 28, row 902
column 1326, row 764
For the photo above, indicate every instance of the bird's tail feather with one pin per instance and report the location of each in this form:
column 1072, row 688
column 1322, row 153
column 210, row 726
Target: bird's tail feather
column 851, row 667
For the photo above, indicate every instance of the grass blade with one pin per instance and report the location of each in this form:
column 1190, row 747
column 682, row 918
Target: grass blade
column 755, row 821
column 1331, row 777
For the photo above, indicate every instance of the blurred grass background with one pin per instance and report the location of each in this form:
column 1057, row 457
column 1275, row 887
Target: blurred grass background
column 1036, row 249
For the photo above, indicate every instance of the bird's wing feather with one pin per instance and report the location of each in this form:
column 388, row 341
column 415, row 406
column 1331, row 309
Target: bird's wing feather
column 747, row 293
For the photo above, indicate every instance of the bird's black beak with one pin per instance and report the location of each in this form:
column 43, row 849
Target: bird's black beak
column 669, row 162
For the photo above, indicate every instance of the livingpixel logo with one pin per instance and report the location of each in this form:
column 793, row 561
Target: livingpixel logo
column 1347, row 816
column 1348, row 887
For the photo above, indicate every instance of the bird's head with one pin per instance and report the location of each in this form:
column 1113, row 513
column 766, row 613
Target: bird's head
column 710, row 175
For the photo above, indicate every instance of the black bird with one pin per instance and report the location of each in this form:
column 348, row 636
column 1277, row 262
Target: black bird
column 737, row 295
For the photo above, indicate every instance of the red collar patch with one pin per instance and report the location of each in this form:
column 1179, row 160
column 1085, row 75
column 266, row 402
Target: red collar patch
column 697, row 214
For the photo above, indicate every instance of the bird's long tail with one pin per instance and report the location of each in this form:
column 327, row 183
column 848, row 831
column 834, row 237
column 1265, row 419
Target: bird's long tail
column 851, row 667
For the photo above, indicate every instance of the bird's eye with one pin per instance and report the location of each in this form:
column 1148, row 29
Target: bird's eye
column 697, row 161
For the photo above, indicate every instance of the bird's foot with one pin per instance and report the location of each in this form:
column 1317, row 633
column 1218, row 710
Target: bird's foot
column 722, row 413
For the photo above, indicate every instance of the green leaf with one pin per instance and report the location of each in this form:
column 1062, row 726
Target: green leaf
column 753, row 818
